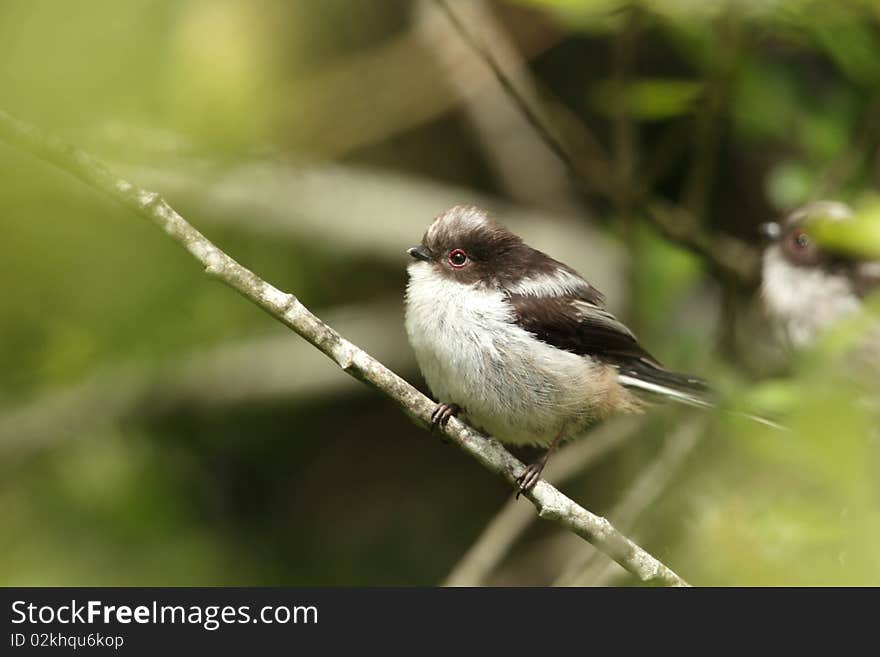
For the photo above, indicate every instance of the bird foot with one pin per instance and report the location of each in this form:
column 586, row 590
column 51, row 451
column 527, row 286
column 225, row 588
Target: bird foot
column 440, row 416
column 530, row 476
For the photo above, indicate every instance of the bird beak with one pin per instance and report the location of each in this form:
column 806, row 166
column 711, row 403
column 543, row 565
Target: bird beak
column 770, row 231
column 419, row 253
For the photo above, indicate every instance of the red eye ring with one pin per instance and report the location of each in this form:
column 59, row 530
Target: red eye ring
column 457, row 258
column 802, row 241
column 800, row 249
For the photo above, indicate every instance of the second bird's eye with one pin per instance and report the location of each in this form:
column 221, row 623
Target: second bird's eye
column 801, row 250
column 458, row 258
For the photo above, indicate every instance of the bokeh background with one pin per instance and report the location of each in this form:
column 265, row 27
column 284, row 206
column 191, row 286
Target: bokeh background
column 157, row 429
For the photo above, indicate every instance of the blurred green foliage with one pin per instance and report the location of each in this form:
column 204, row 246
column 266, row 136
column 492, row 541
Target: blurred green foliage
column 737, row 111
column 646, row 99
column 860, row 236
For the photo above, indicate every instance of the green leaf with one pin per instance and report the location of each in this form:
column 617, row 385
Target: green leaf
column 789, row 184
column 648, row 99
column 859, row 236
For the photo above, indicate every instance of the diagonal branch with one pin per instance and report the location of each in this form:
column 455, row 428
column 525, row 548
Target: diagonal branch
column 724, row 253
column 741, row 264
column 553, row 143
column 499, row 536
column 286, row 308
column 649, row 486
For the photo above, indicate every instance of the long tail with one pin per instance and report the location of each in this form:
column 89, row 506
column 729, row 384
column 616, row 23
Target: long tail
column 682, row 388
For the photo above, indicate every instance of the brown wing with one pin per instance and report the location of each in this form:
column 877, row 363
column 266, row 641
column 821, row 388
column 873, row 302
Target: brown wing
column 579, row 326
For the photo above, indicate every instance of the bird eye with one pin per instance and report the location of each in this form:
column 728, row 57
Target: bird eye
column 458, row 258
column 801, row 250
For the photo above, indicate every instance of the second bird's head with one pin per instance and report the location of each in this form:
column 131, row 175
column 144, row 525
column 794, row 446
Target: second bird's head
column 807, row 287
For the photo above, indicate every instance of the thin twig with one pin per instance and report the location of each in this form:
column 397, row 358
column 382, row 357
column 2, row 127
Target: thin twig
column 531, row 116
column 286, row 308
column 841, row 170
column 499, row 536
column 648, row 487
column 624, row 131
column 549, row 138
column 743, row 266
column 725, row 254
column 528, row 171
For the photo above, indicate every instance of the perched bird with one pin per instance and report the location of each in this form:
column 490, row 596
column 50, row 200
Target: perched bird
column 520, row 343
column 806, row 288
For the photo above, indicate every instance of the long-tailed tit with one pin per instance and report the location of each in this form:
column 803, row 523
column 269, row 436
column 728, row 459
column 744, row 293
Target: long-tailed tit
column 520, row 343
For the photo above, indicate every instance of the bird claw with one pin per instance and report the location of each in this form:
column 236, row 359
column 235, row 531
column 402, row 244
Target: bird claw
column 442, row 413
column 530, row 476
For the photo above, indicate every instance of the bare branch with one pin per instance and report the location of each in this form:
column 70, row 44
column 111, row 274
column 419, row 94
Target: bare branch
column 504, row 80
column 582, row 570
column 509, row 524
column 527, row 170
column 841, row 169
column 742, row 261
column 286, row 308
column 724, row 253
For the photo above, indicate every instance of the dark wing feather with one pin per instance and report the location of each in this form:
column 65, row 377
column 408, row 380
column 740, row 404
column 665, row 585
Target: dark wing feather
column 579, row 326
column 587, row 329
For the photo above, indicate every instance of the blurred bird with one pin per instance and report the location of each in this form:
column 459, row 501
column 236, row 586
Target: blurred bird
column 520, row 343
column 805, row 287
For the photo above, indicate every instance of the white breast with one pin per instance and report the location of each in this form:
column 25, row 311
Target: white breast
column 805, row 301
column 510, row 384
